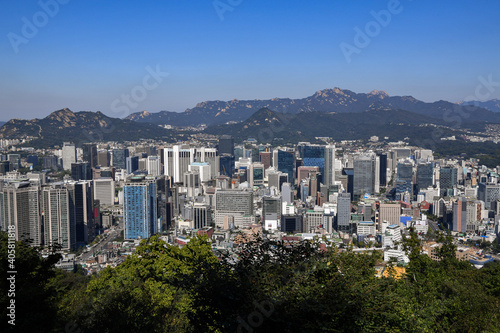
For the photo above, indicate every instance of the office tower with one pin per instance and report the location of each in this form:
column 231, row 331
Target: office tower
column 81, row 171
column 390, row 212
column 82, row 211
column 425, row 172
column 276, row 179
column 315, row 219
column 203, row 169
column 226, row 165
column 265, row 157
column 15, row 161
column 33, row 160
column 202, row 216
column 291, row 223
column 329, row 169
column 238, row 204
column 120, row 158
column 489, row 194
column 191, row 180
column 19, row 206
column 226, row 145
column 404, row 178
column 271, row 212
column 90, row 154
column 50, row 162
column 460, row 215
column 154, row 166
column 104, row 191
column 177, row 161
column 313, row 155
column 59, row 228
column 68, row 155
column 4, row 167
column 132, row 164
column 383, row 169
column 256, row 174
column 284, row 161
column 343, row 219
column 305, row 171
column 164, row 205
column 447, row 179
column 140, row 207
column 209, row 155
column 364, row 175
column 103, row 158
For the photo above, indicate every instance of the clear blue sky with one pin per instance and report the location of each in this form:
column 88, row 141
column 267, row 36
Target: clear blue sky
column 91, row 52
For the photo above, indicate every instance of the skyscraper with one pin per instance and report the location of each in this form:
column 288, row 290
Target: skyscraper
column 329, row 169
column 132, row 164
column 104, row 191
column 81, row 210
column 120, row 158
column 364, row 175
column 59, row 228
column 425, row 172
column 313, row 155
column 343, row 218
column 284, row 161
column 447, row 179
column 81, row 171
column 140, row 207
column 90, row 154
column 226, row 145
column 20, row 206
column 154, row 165
column 68, row 155
column 383, row 169
column 177, row 161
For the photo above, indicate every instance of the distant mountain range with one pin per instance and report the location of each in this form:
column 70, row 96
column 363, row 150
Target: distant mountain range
column 85, row 126
column 336, row 113
column 328, row 101
column 492, row 105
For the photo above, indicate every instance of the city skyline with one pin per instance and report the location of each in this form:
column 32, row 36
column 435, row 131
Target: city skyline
column 175, row 55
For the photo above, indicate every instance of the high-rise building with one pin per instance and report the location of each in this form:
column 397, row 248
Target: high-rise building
column 256, row 174
column 329, row 169
column 284, row 161
column 209, row 155
column 177, row 161
column 226, row 165
column 68, row 155
column 202, row 216
column 81, row 171
column 489, row 193
column 460, row 215
column 132, row 164
column 404, row 178
column 265, row 157
column 81, row 210
column 238, row 204
column 104, row 191
column 50, row 162
column 271, row 212
column 4, row 167
column 20, row 207
column 313, row 155
column 425, row 172
column 390, row 212
column 15, row 161
column 120, row 158
column 103, row 158
column 291, row 223
column 154, row 166
column 33, row 160
column 383, row 169
column 343, row 219
column 447, row 179
column 364, row 175
column 59, row 227
column 140, row 207
column 226, row 145
column 90, row 154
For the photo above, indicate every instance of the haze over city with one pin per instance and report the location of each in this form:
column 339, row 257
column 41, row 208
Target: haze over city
column 85, row 55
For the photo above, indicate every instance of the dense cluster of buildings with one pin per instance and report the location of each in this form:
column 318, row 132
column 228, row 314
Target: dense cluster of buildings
column 346, row 192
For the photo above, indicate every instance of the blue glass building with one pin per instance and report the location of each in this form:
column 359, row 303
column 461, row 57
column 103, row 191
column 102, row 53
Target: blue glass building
column 286, row 163
column 140, row 207
column 313, row 156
